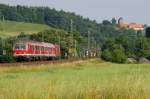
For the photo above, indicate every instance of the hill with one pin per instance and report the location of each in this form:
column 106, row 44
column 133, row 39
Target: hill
column 48, row 16
column 62, row 20
column 12, row 28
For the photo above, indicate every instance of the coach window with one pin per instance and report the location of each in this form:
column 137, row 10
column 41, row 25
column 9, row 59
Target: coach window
column 39, row 48
column 33, row 48
column 42, row 48
column 49, row 49
column 36, row 48
column 46, row 48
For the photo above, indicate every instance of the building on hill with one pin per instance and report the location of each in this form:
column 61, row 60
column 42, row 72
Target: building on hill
column 134, row 26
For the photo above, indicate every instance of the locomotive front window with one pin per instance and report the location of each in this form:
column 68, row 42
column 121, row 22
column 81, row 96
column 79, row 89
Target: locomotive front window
column 16, row 46
column 20, row 46
column 23, row 46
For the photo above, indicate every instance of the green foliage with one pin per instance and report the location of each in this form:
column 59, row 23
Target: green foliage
column 120, row 48
column 6, row 54
column 119, row 55
column 142, row 47
column 114, row 53
column 106, row 22
column 148, row 32
column 107, row 55
column 114, row 21
column 23, row 36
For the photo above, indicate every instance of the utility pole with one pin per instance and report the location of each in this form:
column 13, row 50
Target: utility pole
column 93, row 42
column 89, row 45
column 42, row 37
column 95, row 49
column 3, row 19
column 89, row 39
column 71, row 31
column 3, row 47
column 71, row 41
column 75, row 46
column 59, row 37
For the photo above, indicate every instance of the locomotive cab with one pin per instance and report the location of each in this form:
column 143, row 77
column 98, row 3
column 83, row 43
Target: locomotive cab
column 19, row 46
column 19, row 50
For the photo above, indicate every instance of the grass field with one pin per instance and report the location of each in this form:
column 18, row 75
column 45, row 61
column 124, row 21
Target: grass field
column 12, row 28
column 80, row 80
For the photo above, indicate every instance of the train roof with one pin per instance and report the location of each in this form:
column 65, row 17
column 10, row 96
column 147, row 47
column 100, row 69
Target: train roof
column 36, row 43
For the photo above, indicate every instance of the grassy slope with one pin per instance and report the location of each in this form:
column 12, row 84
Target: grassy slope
column 84, row 80
column 11, row 28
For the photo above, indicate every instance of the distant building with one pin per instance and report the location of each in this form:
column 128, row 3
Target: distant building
column 134, row 26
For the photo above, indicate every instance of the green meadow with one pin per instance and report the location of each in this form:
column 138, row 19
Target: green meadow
column 92, row 79
column 13, row 28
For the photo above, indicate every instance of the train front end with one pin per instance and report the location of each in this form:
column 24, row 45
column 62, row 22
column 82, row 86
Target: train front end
column 20, row 51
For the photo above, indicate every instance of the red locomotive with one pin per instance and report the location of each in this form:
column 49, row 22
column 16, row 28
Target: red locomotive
column 31, row 50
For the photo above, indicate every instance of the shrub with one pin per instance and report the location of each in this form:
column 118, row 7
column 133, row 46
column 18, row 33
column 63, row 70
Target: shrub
column 119, row 56
column 114, row 55
column 107, row 55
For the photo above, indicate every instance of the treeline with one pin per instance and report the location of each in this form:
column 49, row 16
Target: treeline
column 45, row 15
column 123, row 48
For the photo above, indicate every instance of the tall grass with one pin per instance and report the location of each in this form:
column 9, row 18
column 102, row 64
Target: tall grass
column 79, row 80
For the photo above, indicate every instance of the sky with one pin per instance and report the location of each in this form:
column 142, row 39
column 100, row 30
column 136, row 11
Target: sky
column 130, row 10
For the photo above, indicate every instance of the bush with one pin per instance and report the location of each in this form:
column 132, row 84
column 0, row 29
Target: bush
column 107, row 55
column 114, row 55
column 119, row 56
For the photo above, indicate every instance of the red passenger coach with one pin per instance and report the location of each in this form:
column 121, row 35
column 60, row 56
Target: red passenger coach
column 32, row 50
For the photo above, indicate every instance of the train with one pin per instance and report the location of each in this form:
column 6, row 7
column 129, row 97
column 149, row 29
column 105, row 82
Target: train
column 33, row 50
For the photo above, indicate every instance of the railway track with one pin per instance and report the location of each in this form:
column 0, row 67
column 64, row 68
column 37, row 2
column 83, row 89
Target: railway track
column 35, row 63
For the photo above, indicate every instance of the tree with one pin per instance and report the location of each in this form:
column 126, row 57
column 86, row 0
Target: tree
column 142, row 47
column 106, row 22
column 147, row 32
column 114, row 52
column 107, row 55
column 6, row 47
column 114, row 21
column 119, row 55
column 23, row 36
